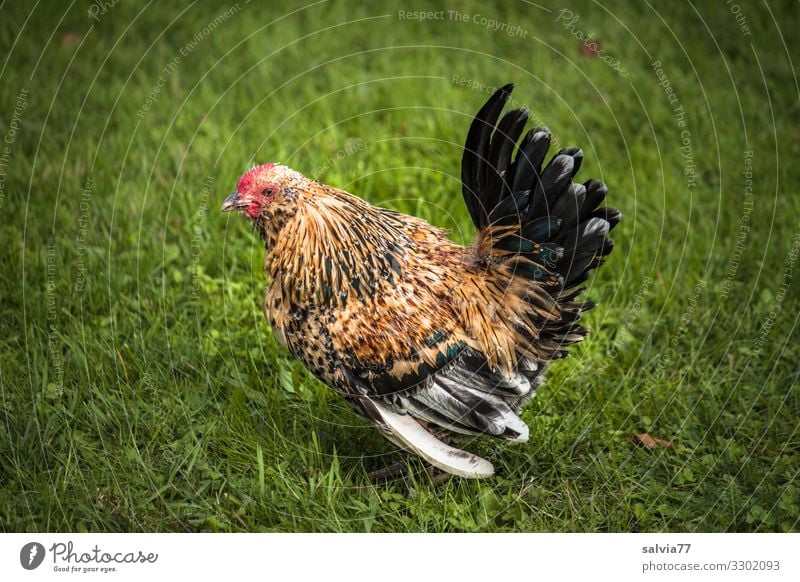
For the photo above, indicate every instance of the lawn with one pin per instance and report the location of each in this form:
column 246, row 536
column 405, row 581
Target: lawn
column 142, row 389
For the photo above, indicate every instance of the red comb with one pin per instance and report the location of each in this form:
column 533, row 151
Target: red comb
column 249, row 177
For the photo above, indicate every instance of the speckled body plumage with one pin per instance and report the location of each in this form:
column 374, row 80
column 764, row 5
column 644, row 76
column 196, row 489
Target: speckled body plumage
column 365, row 286
column 411, row 327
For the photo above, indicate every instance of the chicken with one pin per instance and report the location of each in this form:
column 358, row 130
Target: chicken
column 426, row 338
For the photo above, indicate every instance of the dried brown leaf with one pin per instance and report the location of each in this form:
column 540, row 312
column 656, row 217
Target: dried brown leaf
column 649, row 442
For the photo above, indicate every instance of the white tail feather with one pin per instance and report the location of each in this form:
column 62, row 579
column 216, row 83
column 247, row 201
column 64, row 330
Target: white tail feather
column 406, row 432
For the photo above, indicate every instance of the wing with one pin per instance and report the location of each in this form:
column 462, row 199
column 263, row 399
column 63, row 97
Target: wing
column 461, row 393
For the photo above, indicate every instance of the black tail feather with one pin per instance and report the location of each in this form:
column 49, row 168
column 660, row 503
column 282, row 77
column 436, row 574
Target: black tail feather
column 557, row 218
column 530, row 156
column 474, row 164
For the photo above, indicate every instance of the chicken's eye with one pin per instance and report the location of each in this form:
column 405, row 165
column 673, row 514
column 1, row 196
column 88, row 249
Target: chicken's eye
column 268, row 191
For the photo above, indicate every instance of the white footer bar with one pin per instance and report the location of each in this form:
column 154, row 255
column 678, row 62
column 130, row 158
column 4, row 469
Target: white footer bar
column 401, row 557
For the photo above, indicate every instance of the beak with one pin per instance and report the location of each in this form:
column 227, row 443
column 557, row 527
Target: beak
column 229, row 203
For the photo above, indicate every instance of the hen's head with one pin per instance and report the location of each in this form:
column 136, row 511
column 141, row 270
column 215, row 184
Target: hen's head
column 264, row 191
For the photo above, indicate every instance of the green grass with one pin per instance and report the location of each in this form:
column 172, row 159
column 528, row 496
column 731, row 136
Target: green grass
column 141, row 388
